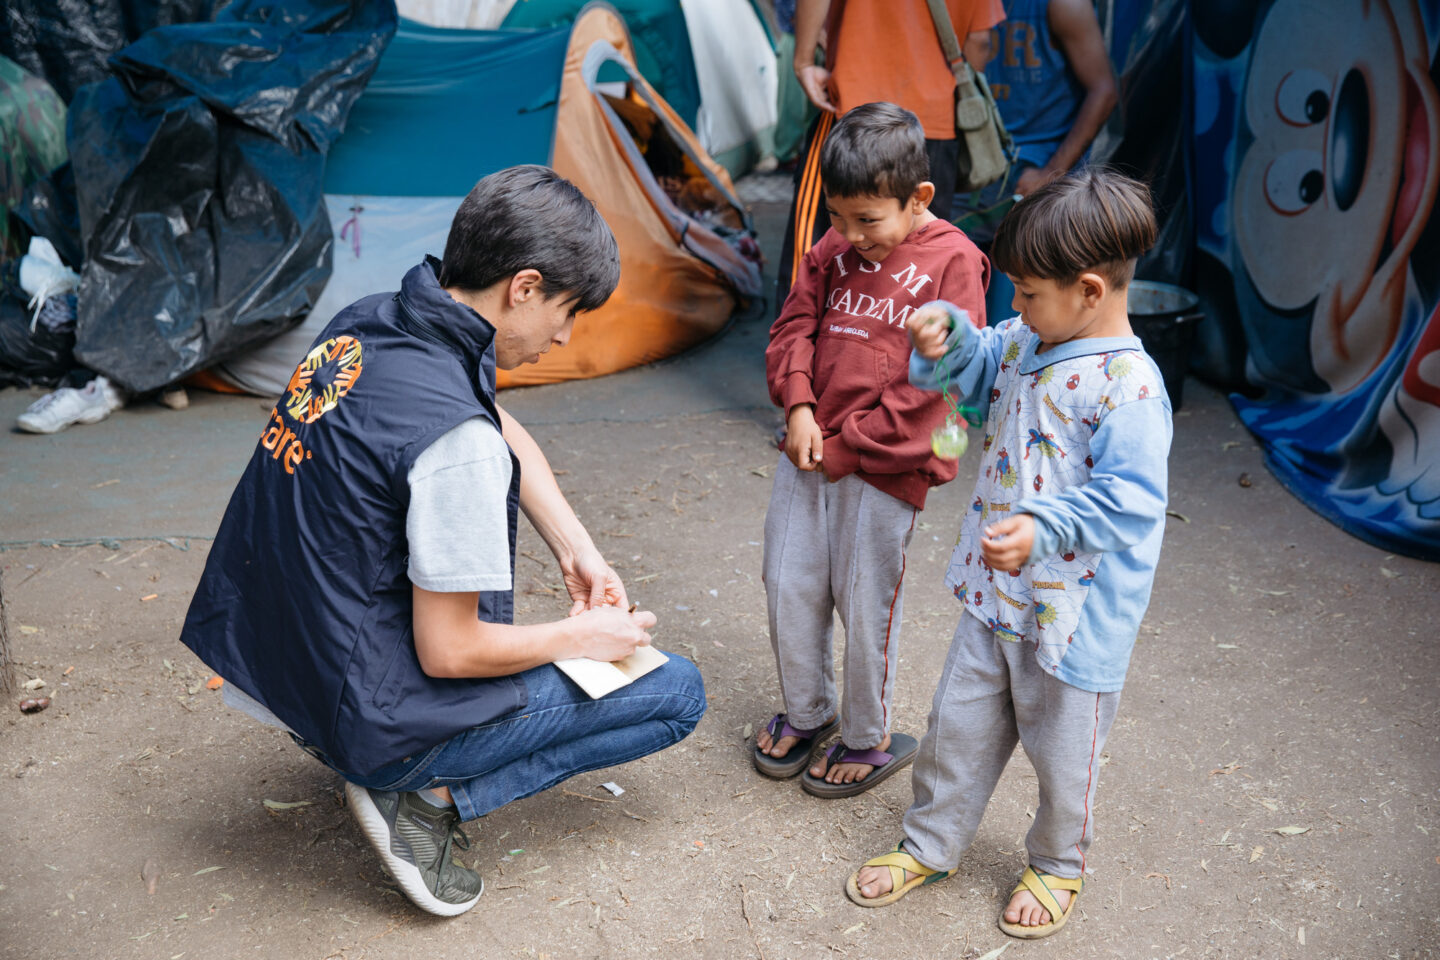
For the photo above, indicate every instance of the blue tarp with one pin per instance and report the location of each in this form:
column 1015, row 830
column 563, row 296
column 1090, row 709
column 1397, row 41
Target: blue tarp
column 1316, row 166
column 446, row 107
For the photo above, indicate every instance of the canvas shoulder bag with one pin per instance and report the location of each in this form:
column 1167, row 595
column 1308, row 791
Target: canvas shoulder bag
column 986, row 149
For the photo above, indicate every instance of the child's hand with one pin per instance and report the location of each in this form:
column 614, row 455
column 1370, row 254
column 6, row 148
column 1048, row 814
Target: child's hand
column 804, row 443
column 928, row 327
column 1006, row 545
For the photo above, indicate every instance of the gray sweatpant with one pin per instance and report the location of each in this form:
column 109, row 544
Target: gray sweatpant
column 835, row 547
column 991, row 693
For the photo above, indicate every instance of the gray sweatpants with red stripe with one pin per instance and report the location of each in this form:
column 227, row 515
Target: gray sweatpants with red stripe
column 835, row 548
column 991, row 694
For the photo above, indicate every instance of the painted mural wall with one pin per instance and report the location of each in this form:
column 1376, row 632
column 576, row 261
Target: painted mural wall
column 1315, row 163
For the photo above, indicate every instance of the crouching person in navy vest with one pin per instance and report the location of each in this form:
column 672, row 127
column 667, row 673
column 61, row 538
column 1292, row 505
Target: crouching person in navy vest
column 378, row 515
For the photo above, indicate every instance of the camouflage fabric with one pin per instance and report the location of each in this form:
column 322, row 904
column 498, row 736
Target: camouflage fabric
column 32, row 142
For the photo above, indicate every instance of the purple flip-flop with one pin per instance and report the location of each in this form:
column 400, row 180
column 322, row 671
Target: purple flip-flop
column 903, row 748
column 783, row 768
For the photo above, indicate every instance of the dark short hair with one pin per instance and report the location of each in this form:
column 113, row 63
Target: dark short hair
column 1094, row 219
column 877, row 150
column 530, row 217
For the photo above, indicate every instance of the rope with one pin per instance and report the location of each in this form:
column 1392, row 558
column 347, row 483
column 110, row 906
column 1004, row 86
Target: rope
column 957, row 411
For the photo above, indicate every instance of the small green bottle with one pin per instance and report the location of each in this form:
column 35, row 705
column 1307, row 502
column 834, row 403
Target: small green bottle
column 949, row 441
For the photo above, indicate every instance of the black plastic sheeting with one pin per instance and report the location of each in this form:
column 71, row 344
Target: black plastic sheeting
column 1147, row 135
column 39, row 357
column 67, row 42
column 48, row 209
column 199, row 168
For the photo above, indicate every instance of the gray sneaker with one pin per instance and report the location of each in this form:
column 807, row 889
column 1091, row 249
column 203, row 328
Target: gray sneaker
column 414, row 840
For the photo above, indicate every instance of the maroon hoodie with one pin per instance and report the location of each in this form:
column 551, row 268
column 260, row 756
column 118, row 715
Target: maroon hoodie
column 840, row 344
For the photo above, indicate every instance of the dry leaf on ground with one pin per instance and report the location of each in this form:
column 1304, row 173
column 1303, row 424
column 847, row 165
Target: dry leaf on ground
column 284, row 805
column 150, row 873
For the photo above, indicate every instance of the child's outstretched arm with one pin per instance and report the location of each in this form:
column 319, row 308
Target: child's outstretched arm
column 947, row 344
column 1124, row 500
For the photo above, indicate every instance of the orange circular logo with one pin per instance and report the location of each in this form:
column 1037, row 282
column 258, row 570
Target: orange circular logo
column 325, row 375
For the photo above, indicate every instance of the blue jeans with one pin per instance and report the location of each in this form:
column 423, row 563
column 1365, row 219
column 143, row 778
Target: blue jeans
column 560, row 732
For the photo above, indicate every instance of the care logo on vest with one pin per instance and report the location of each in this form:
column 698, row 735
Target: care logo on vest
column 319, row 384
column 322, row 378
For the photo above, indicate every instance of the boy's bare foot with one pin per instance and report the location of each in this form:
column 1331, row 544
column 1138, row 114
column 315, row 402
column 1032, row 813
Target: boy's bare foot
column 875, row 881
column 1026, row 911
column 845, row 772
column 781, row 748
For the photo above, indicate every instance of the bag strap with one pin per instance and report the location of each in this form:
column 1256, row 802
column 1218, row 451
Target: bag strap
column 950, row 44
column 948, row 41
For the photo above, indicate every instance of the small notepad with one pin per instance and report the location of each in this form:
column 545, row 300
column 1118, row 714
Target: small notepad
column 597, row 678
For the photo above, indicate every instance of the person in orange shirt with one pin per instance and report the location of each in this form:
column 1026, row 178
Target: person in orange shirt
column 878, row 50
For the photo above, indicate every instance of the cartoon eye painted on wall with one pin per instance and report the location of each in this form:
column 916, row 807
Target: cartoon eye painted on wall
column 1294, row 181
column 1350, row 139
column 1304, row 98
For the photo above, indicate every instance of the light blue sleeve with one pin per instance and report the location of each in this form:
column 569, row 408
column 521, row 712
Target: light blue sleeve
column 1125, row 497
column 971, row 360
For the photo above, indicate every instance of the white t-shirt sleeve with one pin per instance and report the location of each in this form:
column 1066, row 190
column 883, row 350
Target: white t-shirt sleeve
column 457, row 524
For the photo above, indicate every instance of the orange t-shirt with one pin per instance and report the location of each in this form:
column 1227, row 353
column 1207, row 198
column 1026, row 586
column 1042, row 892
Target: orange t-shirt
column 889, row 50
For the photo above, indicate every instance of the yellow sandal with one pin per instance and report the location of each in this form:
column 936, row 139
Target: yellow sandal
column 1040, row 885
column 898, row 861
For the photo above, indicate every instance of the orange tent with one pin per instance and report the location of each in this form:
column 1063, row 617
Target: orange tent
column 679, row 281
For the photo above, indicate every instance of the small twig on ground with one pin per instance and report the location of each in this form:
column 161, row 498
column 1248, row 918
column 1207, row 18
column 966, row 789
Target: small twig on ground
column 137, row 553
column 7, row 674
column 745, row 912
column 584, row 796
column 881, row 800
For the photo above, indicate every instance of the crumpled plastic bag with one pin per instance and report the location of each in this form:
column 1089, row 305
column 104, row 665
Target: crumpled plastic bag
column 199, row 167
column 39, row 357
column 67, row 42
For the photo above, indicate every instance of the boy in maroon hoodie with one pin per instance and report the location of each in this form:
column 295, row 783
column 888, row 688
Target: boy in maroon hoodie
column 857, row 461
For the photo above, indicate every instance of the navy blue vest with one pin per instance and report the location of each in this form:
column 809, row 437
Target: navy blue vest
column 305, row 603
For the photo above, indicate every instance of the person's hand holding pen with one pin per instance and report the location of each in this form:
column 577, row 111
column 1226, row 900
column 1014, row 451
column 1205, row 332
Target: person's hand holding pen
column 612, row 633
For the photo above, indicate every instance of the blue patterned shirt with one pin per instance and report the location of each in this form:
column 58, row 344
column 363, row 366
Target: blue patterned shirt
column 1078, row 438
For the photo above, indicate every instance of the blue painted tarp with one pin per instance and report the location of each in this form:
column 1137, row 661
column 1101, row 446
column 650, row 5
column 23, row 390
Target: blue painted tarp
column 444, row 107
column 1316, row 158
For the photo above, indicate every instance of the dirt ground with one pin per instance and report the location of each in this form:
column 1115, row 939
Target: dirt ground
column 1269, row 790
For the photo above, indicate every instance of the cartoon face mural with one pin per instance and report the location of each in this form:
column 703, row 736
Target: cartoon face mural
column 1317, row 170
column 1332, row 194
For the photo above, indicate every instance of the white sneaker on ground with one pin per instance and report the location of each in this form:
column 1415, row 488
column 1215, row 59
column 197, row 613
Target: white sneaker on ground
column 56, row 411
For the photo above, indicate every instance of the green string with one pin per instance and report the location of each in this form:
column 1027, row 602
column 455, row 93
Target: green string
column 957, row 411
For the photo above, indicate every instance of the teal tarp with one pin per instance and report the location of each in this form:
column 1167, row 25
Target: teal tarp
column 447, row 107
column 657, row 29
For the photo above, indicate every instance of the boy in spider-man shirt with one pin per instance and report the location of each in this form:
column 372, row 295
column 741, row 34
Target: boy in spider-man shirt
column 1055, row 562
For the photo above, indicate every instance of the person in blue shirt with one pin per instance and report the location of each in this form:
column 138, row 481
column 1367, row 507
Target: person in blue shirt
column 1057, row 553
column 1055, row 88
